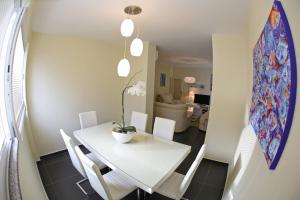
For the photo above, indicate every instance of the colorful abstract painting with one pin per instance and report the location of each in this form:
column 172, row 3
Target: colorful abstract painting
column 274, row 85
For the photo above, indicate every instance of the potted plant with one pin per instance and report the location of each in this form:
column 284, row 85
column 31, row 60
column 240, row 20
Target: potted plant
column 122, row 132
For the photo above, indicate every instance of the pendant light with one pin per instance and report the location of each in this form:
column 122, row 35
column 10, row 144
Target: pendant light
column 136, row 47
column 124, row 65
column 127, row 27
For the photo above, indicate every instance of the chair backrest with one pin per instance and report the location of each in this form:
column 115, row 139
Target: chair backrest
column 71, row 149
column 164, row 128
column 94, row 175
column 88, row 119
column 190, row 174
column 139, row 120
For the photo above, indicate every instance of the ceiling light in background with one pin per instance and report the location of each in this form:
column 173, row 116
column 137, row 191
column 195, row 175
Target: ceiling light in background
column 190, row 80
column 127, row 27
column 136, row 47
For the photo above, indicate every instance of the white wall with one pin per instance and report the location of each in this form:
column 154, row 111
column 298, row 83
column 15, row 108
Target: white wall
column 202, row 76
column 30, row 181
column 253, row 179
column 144, row 104
column 167, row 69
column 68, row 75
column 150, row 86
column 228, row 96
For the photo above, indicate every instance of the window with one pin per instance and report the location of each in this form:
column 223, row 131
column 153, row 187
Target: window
column 5, row 36
column 12, row 59
column 17, row 78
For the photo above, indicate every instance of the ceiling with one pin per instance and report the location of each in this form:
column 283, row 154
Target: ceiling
column 181, row 29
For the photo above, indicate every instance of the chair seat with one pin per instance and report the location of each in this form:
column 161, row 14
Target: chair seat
column 170, row 188
column 98, row 162
column 119, row 186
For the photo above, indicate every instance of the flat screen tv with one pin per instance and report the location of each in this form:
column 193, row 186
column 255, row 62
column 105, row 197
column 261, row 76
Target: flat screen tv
column 202, row 99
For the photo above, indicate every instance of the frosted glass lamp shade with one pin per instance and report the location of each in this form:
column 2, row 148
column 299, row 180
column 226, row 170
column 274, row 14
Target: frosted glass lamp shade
column 123, row 68
column 127, row 27
column 190, row 80
column 136, row 47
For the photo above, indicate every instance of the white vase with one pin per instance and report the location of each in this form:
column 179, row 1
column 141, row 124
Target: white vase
column 122, row 137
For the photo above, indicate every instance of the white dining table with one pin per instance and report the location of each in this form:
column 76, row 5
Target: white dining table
column 147, row 160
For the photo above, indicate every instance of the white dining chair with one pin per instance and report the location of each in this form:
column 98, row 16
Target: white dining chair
column 177, row 184
column 139, row 120
column 164, row 128
column 76, row 161
column 88, row 119
column 110, row 186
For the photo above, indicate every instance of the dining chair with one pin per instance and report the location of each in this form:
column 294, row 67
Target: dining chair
column 76, row 161
column 177, row 184
column 164, row 128
column 110, row 186
column 88, row 119
column 139, row 120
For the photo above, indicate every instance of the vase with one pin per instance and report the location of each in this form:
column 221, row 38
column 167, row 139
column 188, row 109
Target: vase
column 122, row 137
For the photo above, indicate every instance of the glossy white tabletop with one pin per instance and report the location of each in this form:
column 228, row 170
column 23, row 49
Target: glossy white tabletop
column 146, row 160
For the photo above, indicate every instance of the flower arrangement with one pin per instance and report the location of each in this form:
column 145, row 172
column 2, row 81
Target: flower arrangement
column 138, row 89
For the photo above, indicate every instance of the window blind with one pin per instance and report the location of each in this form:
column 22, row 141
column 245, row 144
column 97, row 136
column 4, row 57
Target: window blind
column 17, row 78
column 6, row 9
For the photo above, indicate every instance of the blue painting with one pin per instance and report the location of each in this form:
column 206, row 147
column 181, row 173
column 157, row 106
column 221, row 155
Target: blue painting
column 274, row 85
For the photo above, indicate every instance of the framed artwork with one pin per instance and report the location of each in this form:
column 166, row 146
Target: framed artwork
column 162, row 80
column 274, row 85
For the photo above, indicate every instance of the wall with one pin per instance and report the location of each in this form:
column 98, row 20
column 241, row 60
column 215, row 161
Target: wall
column 69, row 75
column 253, row 179
column 30, row 181
column 228, row 96
column 167, row 69
column 202, row 75
column 152, row 53
column 145, row 64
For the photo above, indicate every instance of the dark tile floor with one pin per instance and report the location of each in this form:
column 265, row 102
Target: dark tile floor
column 59, row 176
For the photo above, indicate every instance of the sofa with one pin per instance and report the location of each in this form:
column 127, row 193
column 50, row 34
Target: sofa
column 174, row 111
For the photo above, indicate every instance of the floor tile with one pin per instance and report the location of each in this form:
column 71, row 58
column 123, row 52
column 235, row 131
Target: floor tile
column 202, row 172
column 61, row 170
column 56, row 157
column 46, row 179
column 217, row 174
column 208, row 193
column 67, row 189
column 50, row 190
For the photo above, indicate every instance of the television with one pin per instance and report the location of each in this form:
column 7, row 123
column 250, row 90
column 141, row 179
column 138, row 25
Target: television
column 202, row 99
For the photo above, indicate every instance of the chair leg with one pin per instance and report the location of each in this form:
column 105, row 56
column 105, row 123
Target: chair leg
column 81, row 188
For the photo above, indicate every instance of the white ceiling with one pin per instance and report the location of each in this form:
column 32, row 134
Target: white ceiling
column 181, row 29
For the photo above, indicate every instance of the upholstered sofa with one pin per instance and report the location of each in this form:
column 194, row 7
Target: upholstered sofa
column 176, row 112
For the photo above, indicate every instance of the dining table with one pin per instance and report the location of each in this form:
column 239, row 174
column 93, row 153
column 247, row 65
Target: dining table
column 147, row 160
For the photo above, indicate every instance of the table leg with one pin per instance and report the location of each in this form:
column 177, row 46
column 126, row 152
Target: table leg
column 141, row 194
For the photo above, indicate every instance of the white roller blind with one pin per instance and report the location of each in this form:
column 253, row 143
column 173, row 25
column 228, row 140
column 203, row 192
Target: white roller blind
column 17, row 77
column 6, row 9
